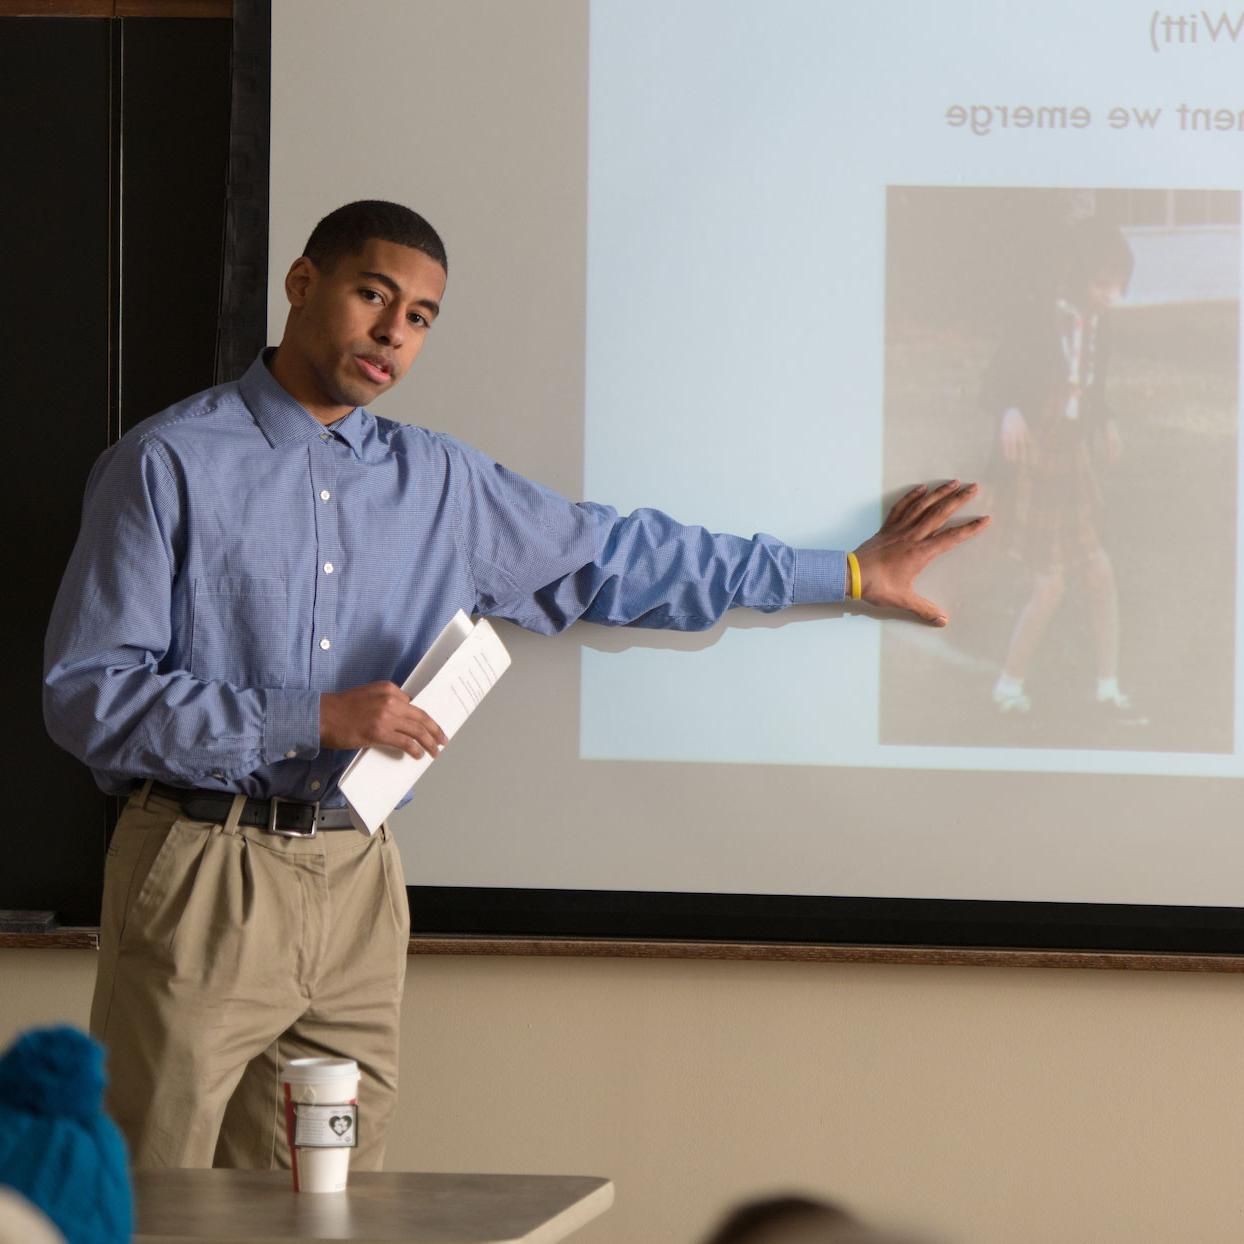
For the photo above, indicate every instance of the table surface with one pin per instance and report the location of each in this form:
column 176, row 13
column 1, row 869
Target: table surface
column 380, row 1207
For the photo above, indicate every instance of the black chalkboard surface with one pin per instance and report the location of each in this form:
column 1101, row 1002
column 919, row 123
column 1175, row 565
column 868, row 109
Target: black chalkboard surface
column 120, row 129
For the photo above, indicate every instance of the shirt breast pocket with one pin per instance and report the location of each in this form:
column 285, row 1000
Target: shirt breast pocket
column 240, row 631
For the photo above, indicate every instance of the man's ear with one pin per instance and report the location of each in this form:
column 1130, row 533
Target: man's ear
column 300, row 280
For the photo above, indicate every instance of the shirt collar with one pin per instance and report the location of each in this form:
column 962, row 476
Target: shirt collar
column 285, row 421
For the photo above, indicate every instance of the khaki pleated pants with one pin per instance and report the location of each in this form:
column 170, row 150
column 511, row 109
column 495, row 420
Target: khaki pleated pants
column 225, row 951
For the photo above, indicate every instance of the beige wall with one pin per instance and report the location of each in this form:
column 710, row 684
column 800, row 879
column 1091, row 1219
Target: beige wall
column 1012, row 1106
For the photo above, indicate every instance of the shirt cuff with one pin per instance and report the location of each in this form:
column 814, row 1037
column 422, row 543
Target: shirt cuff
column 820, row 577
column 291, row 726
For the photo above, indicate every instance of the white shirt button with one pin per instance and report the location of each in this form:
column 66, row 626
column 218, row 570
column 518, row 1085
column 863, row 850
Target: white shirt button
column 325, row 436
column 315, row 785
column 326, row 643
column 289, row 755
column 325, row 494
column 218, row 775
column 328, row 568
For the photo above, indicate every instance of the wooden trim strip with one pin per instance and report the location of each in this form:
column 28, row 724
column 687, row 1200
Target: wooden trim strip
column 52, row 8
column 591, row 948
column 803, row 953
column 175, row 8
column 57, row 939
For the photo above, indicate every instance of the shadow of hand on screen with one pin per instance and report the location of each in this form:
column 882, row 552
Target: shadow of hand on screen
column 622, row 638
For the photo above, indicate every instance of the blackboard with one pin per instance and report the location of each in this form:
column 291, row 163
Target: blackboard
column 120, row 129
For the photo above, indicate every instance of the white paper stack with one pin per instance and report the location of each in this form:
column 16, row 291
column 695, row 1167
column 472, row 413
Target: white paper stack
column 456, row 673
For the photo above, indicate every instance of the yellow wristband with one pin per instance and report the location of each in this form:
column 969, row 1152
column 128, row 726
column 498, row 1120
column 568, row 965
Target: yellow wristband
column 853, row 564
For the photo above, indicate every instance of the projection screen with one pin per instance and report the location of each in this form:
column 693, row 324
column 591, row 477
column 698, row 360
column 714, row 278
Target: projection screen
column 765, row 267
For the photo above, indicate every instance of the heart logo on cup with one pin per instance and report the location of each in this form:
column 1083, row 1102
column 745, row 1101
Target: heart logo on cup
column 340, row 1123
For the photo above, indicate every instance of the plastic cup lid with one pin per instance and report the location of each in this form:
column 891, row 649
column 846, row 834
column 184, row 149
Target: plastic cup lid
column 315, row 1070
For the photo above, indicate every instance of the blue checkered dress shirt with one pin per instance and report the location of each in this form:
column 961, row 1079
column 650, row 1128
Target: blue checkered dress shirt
column 237, row 558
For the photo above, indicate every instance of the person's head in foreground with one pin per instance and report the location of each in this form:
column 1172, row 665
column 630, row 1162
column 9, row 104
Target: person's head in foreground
column 796, row 1220
column 362, row 297
column 58, row 1148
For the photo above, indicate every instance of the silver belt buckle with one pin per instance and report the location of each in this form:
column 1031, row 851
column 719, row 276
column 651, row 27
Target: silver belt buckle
column 293, row 833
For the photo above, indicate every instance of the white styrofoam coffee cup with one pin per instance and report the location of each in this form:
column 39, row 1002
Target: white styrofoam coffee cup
column 321, row 1120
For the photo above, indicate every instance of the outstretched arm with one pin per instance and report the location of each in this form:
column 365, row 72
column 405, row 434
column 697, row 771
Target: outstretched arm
column 543, row 562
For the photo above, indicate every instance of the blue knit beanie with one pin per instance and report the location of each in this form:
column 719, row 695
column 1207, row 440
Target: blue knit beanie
column 57, row 1146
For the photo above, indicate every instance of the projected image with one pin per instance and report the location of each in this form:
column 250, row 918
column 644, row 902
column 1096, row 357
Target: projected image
column 1077, row 349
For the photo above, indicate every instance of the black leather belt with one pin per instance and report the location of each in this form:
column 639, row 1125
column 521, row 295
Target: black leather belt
column 287, row 817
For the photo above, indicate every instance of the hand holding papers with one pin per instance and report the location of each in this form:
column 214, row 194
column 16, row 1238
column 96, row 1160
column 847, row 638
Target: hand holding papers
column 455, row 674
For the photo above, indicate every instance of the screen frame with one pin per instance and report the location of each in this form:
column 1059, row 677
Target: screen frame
column 484, row 912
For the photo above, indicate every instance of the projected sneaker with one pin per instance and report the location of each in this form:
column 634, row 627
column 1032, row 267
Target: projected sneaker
column 1119, row 709
column 1011, row 701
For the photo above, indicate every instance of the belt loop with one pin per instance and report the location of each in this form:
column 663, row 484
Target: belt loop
column 143, row 791
column 235, row 813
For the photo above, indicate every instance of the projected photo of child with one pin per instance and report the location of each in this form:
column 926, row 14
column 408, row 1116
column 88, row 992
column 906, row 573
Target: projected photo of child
column 1081, row 348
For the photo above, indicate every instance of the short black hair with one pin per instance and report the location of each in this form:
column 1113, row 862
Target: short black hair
column 348, row 229
column 1092, row 248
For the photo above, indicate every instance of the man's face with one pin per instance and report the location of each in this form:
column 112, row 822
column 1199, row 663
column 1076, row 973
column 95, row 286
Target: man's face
column 358, row 327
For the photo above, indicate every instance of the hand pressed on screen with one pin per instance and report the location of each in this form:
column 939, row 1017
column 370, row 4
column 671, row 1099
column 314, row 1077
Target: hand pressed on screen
column 913, row 534
column 377, row 714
